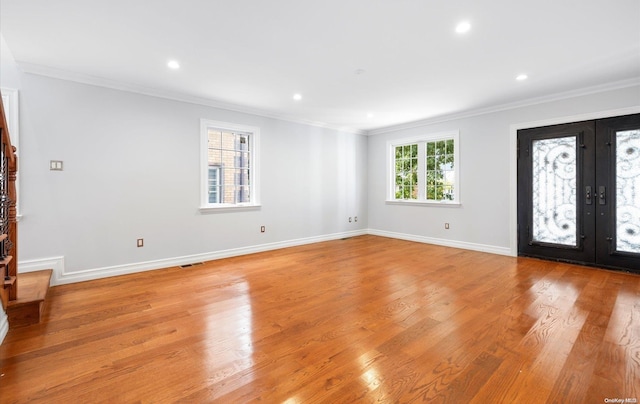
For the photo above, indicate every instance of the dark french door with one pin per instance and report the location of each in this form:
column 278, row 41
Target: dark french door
column 579, row 192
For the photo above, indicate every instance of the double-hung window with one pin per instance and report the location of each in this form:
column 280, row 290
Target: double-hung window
column 229, row 165
column 424, row 169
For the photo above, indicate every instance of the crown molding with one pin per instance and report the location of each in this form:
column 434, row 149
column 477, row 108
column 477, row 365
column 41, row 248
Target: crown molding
column 81, row 78
column 181, row 97
column 616, row 85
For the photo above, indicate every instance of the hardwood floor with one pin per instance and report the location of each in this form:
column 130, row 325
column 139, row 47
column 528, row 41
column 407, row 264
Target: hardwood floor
column 365, row 319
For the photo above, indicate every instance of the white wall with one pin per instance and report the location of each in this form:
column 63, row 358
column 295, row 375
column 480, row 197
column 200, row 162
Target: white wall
column 131, row 170
column 485, row 220
column 9, row 73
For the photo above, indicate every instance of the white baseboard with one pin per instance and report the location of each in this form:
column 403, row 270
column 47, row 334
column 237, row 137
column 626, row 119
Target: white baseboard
column 55, row 263
column 444, row 242
column 62, row 276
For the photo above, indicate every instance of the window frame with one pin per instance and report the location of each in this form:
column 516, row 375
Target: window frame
column 253, row 133
column 421, row 141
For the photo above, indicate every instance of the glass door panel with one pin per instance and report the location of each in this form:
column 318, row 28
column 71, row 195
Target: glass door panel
column 628, row 191
column 618, row 215
column 554, row 191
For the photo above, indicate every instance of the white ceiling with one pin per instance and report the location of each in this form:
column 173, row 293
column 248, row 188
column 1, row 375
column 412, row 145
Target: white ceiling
column 255, row 54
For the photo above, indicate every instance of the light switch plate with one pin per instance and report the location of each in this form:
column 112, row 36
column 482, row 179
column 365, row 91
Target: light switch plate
column 55, row 165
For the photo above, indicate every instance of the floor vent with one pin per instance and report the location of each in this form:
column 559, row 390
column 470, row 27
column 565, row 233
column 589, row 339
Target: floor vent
column 191, row 265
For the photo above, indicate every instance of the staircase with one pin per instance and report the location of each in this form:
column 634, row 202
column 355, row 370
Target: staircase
column 24, row 306
column 27, row 309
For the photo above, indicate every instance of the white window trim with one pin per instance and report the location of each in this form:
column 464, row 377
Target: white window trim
column 421, row 201
column 11, row 105
column 254, row 146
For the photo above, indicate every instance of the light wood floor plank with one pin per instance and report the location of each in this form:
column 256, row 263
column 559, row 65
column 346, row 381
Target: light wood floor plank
column 366, row 319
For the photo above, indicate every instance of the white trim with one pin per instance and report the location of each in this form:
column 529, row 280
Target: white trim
column 513, row 159
column 418, row 203
column 254, row 150
column 422, row 141
column 228, row 208
column 616, row 85
column 170, row 95
column 61, row 276
column 11, row 106
column 443, row 242
column 97, row 273
column 55, row 263
column 4, row 325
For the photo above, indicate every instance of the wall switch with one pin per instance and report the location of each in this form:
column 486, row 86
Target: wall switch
column 262, row 229
column 55, row 165
column 140, row 242
column 446, row 226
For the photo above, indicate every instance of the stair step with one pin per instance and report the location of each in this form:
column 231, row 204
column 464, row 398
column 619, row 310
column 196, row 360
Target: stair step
column 27, row 309
column 6, row 260
column 10, row 281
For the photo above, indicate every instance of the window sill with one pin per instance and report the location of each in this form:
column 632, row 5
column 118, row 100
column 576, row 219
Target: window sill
column 424, row 203
column 228, row 208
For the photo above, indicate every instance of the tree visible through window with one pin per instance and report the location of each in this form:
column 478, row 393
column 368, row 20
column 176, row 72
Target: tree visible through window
column 440, row 170
column 425, row 169
column 407, row 171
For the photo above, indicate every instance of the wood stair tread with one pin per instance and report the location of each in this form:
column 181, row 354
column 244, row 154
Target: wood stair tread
column 27, row 309
column 10, row 281
column 33, row 287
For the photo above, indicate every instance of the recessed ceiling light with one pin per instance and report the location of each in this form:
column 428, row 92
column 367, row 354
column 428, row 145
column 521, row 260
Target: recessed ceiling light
column 370, row 115
column 297, row 97
column 522, row 77
column 359, row 71
column 463, row 27
column 173, row 64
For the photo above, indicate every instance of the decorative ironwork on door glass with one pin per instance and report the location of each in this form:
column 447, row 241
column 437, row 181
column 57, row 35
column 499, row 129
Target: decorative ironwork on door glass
column 554, row 191
column 628, row 191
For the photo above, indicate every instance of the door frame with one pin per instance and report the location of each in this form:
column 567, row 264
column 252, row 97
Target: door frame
column 513, row 158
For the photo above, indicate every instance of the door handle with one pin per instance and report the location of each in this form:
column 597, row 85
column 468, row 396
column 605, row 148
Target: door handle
column 602, row 195
column 587, row 198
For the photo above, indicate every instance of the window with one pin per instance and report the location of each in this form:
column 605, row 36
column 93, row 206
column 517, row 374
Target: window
column 229, row 165
column 425, row 169
column 214, row 184
column 440, row 170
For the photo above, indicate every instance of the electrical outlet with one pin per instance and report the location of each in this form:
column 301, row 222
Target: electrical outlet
column 446, row 226
column 262, row 229
column 140, row 242
column 355, row 219
column 350, row 219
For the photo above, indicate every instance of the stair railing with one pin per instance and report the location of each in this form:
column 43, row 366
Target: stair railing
column 8, row 214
